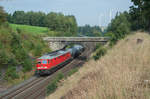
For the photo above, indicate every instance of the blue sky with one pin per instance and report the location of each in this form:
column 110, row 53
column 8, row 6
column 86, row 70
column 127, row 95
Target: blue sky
column 93, row 12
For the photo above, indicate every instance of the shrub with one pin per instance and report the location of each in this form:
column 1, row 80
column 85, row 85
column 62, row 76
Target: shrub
column 119, row 27
column 11, row 74
column 27, row 65
column 99, row 53
column 12, row 61
column 53, row 85
column 4, row 57
column 38, row 50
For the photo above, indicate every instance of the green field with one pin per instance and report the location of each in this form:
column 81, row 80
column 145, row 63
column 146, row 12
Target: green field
column 30, row 29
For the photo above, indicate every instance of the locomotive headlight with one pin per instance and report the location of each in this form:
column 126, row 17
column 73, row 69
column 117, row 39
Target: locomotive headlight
column 39, row 67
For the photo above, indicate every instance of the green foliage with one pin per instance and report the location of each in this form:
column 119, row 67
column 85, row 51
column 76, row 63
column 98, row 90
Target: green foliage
column 53, row 85
column 11, row 73
column 101, row 51
column 119, row 27
column 98, row 46
column 2, row 15
column 38, row 50
column 27, row 65
column 4, row 57
column 59, row 22
column 72, row 71
column 67, row 25
column 87, row 30
column 17, row 47
column 140, row 14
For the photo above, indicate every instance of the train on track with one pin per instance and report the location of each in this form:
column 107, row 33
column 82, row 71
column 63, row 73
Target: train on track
column 51, row 62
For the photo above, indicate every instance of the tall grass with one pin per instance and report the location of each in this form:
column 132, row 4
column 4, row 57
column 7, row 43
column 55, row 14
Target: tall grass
column 123, row 73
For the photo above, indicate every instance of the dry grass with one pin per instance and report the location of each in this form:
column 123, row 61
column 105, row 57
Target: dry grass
column 121, row 74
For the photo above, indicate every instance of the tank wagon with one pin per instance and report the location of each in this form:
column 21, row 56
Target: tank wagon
column 50, row 62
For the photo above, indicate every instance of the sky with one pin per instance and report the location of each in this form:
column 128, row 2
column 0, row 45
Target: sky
column 93, row 12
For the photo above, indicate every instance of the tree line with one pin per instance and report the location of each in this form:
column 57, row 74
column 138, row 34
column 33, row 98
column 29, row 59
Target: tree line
column 140, row 15
column 2, row 15
column 88, row 30
column 138, row 18
column 54, row 21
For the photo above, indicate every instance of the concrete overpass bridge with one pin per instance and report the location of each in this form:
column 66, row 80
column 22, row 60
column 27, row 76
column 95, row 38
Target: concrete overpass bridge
column 76, row 39
column 59, row 42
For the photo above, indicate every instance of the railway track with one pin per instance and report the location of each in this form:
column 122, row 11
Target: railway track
column 35, row 87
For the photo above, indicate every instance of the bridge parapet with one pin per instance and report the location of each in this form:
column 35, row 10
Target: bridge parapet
column 76, row 39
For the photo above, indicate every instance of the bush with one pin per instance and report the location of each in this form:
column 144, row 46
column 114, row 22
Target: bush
column 11, row 74
column 12, row 61
column 38, row 50
column 4, row 57
column 27, row 65
column 99, row 53
column 119, row 27
column 53, row 85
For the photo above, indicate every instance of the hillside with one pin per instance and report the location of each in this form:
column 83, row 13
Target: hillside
column 123, row 73
column 18, row 49
column 38, row 31
column 31, row 29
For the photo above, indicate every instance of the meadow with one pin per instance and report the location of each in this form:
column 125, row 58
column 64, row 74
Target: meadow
column 30, row 29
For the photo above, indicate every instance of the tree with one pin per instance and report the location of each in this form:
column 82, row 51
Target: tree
column 66, row 25
column 2, row 16
column 18, row 17
column 141, row 9
column 119, row 26
column 88, row 30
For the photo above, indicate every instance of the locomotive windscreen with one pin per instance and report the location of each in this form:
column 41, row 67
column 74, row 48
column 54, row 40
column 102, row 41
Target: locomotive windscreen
column 44, row 62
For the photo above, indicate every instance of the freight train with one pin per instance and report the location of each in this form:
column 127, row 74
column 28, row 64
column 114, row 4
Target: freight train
column 51, row 62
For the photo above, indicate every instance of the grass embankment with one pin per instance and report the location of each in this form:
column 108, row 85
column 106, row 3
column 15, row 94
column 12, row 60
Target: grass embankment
column 35, row 30
column 30, row 29
column 123, row 73
column 18, row 48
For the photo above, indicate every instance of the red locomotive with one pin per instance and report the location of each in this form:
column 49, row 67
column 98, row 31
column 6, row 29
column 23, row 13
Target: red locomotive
column 51, row 62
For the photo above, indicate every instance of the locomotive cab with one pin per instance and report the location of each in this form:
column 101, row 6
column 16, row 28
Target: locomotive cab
column 42, row 64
